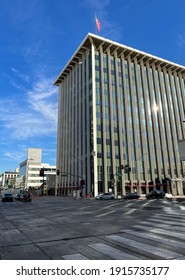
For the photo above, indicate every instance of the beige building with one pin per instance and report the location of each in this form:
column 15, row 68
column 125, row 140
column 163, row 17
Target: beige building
column 120, row 118
column 30, row 168
column 9, row 179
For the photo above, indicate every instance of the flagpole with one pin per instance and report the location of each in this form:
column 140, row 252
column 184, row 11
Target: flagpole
column 96, row 29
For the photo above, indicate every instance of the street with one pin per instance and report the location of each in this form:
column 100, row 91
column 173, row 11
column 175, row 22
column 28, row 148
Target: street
column 54, row 228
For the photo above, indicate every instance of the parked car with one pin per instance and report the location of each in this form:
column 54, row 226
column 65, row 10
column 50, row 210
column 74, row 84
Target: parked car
column 155, row 194
column 7, row 197
column 26, row 197
column 105, row 196
column 132, row 196
column 17, row 196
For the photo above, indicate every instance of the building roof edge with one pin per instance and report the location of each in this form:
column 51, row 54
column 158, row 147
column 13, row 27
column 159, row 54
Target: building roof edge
column 108, row 41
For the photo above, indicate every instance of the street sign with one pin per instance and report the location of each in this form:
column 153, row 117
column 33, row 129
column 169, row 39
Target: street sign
column 63, row 175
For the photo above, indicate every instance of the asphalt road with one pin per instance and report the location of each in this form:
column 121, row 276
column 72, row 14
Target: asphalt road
column 54, row 228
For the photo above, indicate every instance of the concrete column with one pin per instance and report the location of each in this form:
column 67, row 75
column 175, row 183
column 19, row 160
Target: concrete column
column 95, row 161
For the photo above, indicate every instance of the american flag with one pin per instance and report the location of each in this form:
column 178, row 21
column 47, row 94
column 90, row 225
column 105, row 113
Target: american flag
column 98, row 24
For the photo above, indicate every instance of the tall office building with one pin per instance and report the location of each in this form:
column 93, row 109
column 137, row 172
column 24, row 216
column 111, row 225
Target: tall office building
column 120, row 118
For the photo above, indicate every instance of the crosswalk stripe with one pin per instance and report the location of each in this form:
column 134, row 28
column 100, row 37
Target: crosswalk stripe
column 169, row 233
column 112, row 252
column 105, row 214
column 172, row 211
column 82, row 208
column 146, row 225
column 181, row 258
column 152, row 237
column 164, row 253
column 170, row 216
column 130, row 211
column 167, row 222
column 143, row 227
column 103, row 208
column 74, row 257
column 150, row 223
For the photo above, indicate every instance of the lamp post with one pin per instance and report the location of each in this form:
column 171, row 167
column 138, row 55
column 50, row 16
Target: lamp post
column 114, row 180
column 81, row 178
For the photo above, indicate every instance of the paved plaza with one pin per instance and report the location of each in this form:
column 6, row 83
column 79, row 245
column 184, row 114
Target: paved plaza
column 54, row 228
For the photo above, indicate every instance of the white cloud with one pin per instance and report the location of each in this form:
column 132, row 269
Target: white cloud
column 181, row 40
column 42, row 89
column 15, row 156
column 41, row 99
column 35, row 115
column 22, row 76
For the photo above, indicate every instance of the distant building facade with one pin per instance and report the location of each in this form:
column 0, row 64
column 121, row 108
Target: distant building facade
column 120, row 117
column 29, row 170
column 50, row 186
column 9, row 179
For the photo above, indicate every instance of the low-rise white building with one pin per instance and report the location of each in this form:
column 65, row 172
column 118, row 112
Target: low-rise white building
column 30, row 169
column 9, row 178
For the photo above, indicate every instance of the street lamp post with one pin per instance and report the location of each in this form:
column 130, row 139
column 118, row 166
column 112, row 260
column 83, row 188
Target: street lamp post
column 114, row 180
column 115, row 183
column 82, row 181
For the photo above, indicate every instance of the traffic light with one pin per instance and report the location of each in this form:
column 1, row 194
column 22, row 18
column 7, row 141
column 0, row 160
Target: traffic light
column 58, row 172
column 127, row 169
column 41, row 172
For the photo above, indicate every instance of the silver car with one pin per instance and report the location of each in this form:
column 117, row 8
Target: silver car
column 105, row 196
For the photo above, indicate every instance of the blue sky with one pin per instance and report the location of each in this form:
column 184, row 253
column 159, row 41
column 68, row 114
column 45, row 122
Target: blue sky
column 38, row 37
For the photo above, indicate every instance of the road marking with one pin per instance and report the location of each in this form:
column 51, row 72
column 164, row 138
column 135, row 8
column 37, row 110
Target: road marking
column 146, row 203
column 109, row 206
column 152, row 237
column 181, row 258
column 105, row 214
column 112, row 252
column 152, row 224
column 81, row 208
column 164, row 253
column 169, row 233
column 169, row 216
column 167, row 222
column 74, row 257
column 129, row 212
column 142, row 227
column 156, row 225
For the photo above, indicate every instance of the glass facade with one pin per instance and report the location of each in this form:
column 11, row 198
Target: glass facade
column 146, row 94
column 120, row 107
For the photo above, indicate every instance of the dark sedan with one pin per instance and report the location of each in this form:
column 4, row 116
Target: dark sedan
column 7, row 197
column 132, row 196
column 155, row 194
